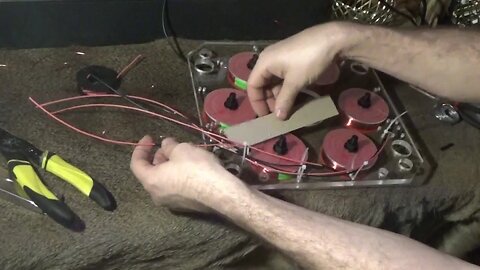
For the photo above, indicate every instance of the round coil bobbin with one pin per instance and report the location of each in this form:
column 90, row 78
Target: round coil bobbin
column 226, row 107
column 324, row 84
column 88, row 85
column 285, row 146
column 347, row 149
column 239, row 68
column 362, row 109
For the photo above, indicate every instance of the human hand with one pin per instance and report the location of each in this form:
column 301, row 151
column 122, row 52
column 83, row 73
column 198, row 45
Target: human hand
column 284, row 68
column 180, row 175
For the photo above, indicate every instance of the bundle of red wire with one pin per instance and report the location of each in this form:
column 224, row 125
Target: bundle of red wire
column 219, row 140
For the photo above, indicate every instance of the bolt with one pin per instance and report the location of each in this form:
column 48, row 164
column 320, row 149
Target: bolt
column 352, row 144
column 281, row 147
column 231, row 102
column 382, row 173
column 365, row 101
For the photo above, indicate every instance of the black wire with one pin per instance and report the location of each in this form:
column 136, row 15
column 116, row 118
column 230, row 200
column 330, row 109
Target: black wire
column 469, row 107
column 174, row 45
column 424, row 12
column 392, row 8
column 469, row 119
column 469, row 114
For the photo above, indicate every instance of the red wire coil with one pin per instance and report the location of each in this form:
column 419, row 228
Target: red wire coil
column 238, row 69
column 336, row 156
column 216, row 112
column 358, row 117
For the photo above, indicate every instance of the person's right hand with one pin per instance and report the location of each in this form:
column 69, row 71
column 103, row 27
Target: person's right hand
column 181, row 176
column 284, row 68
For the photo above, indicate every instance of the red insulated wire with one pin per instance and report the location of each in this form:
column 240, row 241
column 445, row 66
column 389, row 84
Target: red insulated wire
column 122, row 106
column 82, row 131
column 52, row 115
column 114, row 96
column 213, row 136
column 145, row 111
column 176, row 112
column 137, row 60
column 93, row 135
column 192, row 126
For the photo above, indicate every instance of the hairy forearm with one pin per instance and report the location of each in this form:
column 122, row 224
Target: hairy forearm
column 318, row 241
column 441, row 61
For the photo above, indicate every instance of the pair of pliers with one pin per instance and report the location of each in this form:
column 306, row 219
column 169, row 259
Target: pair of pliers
column 23, row 161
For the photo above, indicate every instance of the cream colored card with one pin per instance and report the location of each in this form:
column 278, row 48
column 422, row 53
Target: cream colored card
column 269, row 126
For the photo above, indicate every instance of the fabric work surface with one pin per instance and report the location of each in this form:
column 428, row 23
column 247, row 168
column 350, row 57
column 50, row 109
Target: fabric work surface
column 139, row 235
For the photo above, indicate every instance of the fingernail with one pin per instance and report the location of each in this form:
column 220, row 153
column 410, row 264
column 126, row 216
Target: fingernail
column 279, row 113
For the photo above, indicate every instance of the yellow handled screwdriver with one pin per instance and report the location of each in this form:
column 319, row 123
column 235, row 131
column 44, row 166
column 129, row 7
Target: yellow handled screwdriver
column 24, row 158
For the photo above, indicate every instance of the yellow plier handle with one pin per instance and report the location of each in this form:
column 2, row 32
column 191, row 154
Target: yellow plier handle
column 20, row 156
column 25, row 175
column 54, row 164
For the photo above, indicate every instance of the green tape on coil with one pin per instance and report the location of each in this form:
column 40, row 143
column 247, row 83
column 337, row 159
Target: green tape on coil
column 223, row 126
column 240, row 83
column 284, row 177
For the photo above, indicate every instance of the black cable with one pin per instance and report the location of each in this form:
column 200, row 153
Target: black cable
column 424, row 12
column 174, row 45
column 469, row 119
column 469, row 107
column 124, row 96
column 392, row 8
column 470, row 114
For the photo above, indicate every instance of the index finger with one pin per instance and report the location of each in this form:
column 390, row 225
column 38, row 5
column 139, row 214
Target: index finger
column 258, row 81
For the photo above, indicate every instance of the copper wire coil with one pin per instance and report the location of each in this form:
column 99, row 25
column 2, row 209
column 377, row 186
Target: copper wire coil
column 238, row 70
column 336, row 156
column 296, row 151
column 358, row 117
column 231, row 81
column 214, row 110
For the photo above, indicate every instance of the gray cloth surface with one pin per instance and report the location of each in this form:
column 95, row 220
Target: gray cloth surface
column 140, row 236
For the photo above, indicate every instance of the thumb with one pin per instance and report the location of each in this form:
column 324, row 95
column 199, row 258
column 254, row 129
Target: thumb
column 141, row 161
column 286, row 97
column 168, row 144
